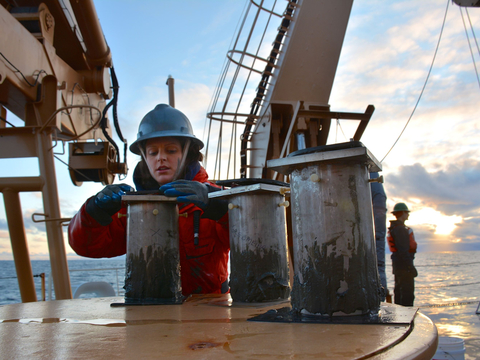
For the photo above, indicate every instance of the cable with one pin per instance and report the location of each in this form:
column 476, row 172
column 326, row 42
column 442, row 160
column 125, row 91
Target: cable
column 103, row 122
column 424, row 85
column 70, row 168
column 23, row 76
column 473, row 31
column 272, row 60
column 69, row 107
column 470, row 45
column 5, row 120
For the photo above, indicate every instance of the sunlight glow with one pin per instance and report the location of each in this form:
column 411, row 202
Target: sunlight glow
column 443, row 225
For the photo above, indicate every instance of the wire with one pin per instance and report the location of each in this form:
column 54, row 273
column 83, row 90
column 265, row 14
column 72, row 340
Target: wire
column 103, row 122
column 23, row 76
column 70, row 168
column 473, row 31
column 470, row 45
column 70, row 107
column 5, row 120
column 424, row 85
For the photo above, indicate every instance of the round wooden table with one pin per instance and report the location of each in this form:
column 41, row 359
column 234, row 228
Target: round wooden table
column 203, row 327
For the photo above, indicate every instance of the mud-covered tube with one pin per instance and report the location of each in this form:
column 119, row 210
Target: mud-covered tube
column 153, row 257
column 258, row 253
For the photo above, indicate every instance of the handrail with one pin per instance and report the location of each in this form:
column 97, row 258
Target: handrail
column 86, row 270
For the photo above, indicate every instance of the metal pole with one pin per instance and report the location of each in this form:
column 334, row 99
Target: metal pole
column 56, row 245
column 171, row 91
column 19, row 245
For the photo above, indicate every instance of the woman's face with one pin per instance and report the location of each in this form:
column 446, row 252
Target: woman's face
column 163, row 157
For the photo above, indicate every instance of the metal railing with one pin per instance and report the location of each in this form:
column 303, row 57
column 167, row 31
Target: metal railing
column 116, row 269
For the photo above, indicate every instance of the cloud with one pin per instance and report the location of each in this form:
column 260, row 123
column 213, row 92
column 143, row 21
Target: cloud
column 452, row 190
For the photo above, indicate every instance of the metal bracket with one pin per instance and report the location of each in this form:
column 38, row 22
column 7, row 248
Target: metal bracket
column 62, row 220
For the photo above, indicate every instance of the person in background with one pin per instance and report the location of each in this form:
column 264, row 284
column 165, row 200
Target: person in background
column 403, row 246
column 170, row 161
column 379, row 202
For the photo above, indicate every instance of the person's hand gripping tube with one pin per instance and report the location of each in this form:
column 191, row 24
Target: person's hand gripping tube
column 107, row 203
column 194, row 192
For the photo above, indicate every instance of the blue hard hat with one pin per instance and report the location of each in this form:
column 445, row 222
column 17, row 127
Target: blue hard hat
column 164, row 121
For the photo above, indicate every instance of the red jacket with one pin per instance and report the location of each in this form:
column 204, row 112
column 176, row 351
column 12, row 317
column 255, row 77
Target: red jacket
column 203, row 266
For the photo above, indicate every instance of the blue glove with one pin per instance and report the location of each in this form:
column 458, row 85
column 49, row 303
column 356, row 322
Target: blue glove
column 107, row 203
column 110, row 198
column 186, row 191
column 197, row 193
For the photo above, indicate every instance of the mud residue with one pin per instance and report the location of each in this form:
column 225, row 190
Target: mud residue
column 258, row 276
column 329, row 286
column 154, row 276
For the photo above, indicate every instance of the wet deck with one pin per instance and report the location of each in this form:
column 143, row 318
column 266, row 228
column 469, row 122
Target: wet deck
column 204, row 327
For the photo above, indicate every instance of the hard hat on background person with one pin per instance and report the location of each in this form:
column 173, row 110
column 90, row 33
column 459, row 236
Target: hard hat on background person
column 400, row 207
column 164, row 121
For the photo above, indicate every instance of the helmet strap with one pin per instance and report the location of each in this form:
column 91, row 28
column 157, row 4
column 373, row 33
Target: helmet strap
column 182, row 162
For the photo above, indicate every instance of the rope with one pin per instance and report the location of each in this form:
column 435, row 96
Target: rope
column 424, row 85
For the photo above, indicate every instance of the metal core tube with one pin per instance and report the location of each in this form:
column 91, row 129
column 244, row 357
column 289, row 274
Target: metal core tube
column 153, row 257
column 258, row 250
column 332, row 229
column 334, row 249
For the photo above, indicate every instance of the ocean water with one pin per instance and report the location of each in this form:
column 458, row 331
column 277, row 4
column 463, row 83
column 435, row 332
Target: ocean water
column 447, row 288
column 111, row 271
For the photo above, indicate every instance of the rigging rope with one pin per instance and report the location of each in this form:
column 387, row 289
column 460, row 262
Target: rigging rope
column 470, row 45
column 424, row 85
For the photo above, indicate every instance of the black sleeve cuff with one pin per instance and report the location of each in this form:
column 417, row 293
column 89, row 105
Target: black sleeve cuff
column 101, row 216
column 215, row 209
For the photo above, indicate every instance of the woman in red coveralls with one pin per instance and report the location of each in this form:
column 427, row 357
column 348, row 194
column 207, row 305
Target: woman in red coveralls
column 169, row 152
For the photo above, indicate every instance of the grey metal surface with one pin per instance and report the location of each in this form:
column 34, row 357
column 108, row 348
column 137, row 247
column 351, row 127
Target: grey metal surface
column 249, row 189
column 153, row 257
column 258, row 246
column 288, row 164
column 333, row 237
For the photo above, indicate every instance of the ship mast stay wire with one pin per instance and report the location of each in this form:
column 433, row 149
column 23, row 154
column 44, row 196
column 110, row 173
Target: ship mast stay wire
column 469, row 44
column 221, row 81
column 6, row 121
column 424, row 85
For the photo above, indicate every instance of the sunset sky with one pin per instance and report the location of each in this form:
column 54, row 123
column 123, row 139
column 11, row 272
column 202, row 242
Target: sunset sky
column 386, row 56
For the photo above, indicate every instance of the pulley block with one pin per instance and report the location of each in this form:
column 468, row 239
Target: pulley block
column 94, row 161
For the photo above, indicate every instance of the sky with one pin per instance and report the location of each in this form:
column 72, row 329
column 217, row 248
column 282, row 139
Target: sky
column 386, row 56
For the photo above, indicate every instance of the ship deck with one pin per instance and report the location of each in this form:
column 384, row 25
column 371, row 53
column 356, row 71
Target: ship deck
column 203, row 327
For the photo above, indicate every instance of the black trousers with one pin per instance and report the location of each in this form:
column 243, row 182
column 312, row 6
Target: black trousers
column 404, row 289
